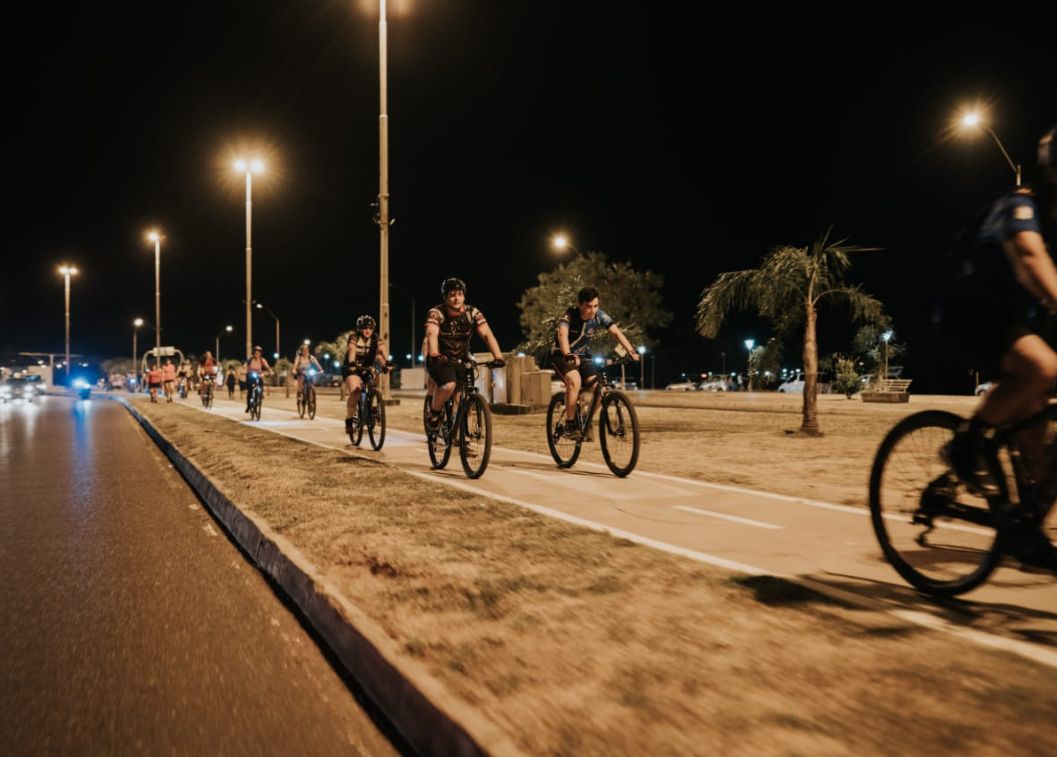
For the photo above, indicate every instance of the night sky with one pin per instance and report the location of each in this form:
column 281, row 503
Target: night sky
column 687, row 144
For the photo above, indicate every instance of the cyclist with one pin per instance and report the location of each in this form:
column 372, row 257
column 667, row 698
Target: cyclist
column 207, row 371
column 990, row 315
column 302, row 363
column 365, row 352
column 168, row 379
column 154, row 376
column 256, row 369
column 449, row 328
column 571, row 355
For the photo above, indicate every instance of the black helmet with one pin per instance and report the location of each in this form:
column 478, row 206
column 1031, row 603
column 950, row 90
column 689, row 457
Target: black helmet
column 1048, row 152
column 452, row 285
column 364, row 322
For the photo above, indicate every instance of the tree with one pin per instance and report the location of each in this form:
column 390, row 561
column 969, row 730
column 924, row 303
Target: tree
column 787, row 289
column 846, row 379
column 870, row 346
column 632, row 298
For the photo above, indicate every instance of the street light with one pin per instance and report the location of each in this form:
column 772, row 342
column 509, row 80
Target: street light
column 749, row 344
column 227, row 329
column 973, row 120
column 641, row 349
column 135, row 352
column 268, row 310
column 67, row 271
column 249, row 167
column 886, row 337
column 560, row 243
column 156, row 237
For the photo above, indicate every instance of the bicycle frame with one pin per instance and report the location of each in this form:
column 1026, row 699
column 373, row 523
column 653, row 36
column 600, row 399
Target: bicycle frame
column 1035, row 497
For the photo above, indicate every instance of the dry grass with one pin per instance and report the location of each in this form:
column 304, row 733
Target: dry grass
column 576, row 642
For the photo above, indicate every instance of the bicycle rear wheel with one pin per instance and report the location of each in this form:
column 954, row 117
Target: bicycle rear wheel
column 565, row 451
column 356, row 432
column 618, row 433
column 941, row 538
column 475, row 436
column 310, row 398
column 439, row 447
column 376, row 420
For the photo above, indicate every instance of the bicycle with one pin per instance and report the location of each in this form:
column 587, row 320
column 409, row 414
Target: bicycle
column 467, row 419
column 256, row 390
column 207, row 392
column 618, row 427
column 370, row 412
column 306, row 397
column 940, row 537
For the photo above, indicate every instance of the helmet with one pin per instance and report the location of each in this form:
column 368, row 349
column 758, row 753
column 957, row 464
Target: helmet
column 364, row 322
column 1048, row 152
column 452, row 285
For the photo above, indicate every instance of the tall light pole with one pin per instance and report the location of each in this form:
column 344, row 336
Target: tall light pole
column 228, row 329
column 135, row 352
column 383, row 184
column 749, row 344
column 268, row 310
column 155, row 237
column 642, row 366
column 973, row 120
column 67, row 271
column 249, row 167
column 885, row 338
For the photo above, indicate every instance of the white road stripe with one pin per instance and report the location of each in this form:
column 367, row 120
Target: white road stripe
column 723, row 516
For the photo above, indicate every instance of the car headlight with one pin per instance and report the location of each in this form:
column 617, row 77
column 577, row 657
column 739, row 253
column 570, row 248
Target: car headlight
column 80, row 384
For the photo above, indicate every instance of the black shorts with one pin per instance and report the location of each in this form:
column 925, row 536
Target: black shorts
column 353, row 370
column 444, row 372
column 154, row 385
column 587, row 368
column 980, row 334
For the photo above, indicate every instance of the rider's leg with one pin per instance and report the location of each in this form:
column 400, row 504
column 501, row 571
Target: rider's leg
column 572, row 392
column 441, row 395
column 353, row 386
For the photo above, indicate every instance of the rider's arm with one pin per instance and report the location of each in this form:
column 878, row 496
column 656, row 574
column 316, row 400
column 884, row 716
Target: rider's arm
column 432, row 338
column 563, row 337
column 616, row 332
column 490, row 340
column 1033, row 266
column 316, row 363
column 381, row 355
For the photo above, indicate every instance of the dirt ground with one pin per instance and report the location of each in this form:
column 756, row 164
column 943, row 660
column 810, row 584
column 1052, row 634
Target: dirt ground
column 575, row 642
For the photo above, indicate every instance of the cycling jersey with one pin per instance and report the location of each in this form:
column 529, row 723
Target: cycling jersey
column 257, row 365
column 581, row 331
column 456, row 329
column 302, row 364
column 362, row 350
column 209, row 365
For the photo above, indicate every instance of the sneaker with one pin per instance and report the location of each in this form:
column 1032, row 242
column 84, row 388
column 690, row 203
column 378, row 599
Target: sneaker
column 572, row 432
column 433, row 421
column 966, row 453
column 349, row 423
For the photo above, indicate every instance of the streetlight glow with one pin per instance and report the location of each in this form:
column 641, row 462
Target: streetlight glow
column 749, row 344
column 970, row 120
column 240, row 166
column 138, row 322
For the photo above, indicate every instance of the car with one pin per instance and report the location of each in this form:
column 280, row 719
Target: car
column 794, row 386
column 630, row 386
column 681, row 386
column 17, row 389
column 983, row 388
column 715, row 385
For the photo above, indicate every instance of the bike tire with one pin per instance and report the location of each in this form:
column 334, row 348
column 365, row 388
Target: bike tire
column 439, row 449
column 301, row 404
column 209, row 399
column 564, row 451
column 311, row 403
column 618, row 433
column 255, row 413
column 475, row 435
column 356, row 432
column 376, row 420
column 912, row 493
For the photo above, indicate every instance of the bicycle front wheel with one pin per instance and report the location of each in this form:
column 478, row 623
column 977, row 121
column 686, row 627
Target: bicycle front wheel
column 301, row 404
column 564, row 450
column 310, row 401
column 618, row 433
column 475, row 437
column 376, row 420
column 940, row 537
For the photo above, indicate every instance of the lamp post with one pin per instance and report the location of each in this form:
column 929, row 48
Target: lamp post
column 973, row 120
column 885, row 338
column 227, row 329
column 249, row 167
column 156, row 237
column 67, row 271
column 135, row 352
column 749, row 344
column 642, row 365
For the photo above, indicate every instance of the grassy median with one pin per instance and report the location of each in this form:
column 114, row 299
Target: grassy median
column 576, row 642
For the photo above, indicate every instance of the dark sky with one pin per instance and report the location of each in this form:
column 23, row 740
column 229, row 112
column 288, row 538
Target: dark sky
column 688, row 144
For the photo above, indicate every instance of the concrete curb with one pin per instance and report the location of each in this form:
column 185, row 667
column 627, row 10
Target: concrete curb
column 402, row 688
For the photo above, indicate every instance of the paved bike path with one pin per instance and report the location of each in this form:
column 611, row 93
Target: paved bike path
column 750, row 531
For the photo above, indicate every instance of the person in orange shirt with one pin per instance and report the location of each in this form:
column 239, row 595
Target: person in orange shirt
column 154, row 382
column 168, row 379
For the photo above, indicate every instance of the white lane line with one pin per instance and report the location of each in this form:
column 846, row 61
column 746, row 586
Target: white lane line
column 723, row 516
column 590, row 485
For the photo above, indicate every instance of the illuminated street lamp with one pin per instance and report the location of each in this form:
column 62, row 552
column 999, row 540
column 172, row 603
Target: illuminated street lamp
column 249, row 167
column 749, row 344
column 973, row 120
column 67, row 271
column 561, row 243
column 135, row 351
column 268, row 310
column 154, row 236
column 228, row 330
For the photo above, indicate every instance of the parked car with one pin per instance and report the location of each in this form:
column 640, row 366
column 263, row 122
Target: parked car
column 795, row 386
column 715, row 385
column 682, row 386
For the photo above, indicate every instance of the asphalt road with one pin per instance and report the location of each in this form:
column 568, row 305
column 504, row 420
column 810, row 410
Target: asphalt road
column 129, row 622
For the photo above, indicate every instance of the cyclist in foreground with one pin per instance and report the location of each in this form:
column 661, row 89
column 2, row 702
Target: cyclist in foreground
column 256, row 369
column 991, row 315
column 364, row 352
column 449, row 328
column 571, row 356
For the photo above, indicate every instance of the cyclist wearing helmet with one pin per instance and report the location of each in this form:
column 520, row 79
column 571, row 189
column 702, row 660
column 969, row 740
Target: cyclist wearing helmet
column 991, row 314
column 364, row 353
column 256, row 369
column 303, row 362
column 449, row 328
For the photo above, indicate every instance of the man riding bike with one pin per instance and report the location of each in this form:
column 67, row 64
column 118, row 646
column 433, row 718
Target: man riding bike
column 571, row 356
column 365, row 352
column 256, row 369
column 449, row 328
column 302, row 363
column 991, row 316
column 207, row 370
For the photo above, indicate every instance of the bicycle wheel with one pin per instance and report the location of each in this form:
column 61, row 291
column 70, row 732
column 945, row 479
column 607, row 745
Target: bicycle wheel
column 209, row 397
column 356, row 434
column 565, row 451
column 301, row 404
column 255, row 413
column 618, row 433
column 941, row 538
column 310, row 397
column 475, row 436
column 439, row 447
column 376, row 420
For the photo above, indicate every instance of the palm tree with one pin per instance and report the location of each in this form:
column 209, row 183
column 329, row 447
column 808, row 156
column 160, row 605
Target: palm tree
column 786, row 289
